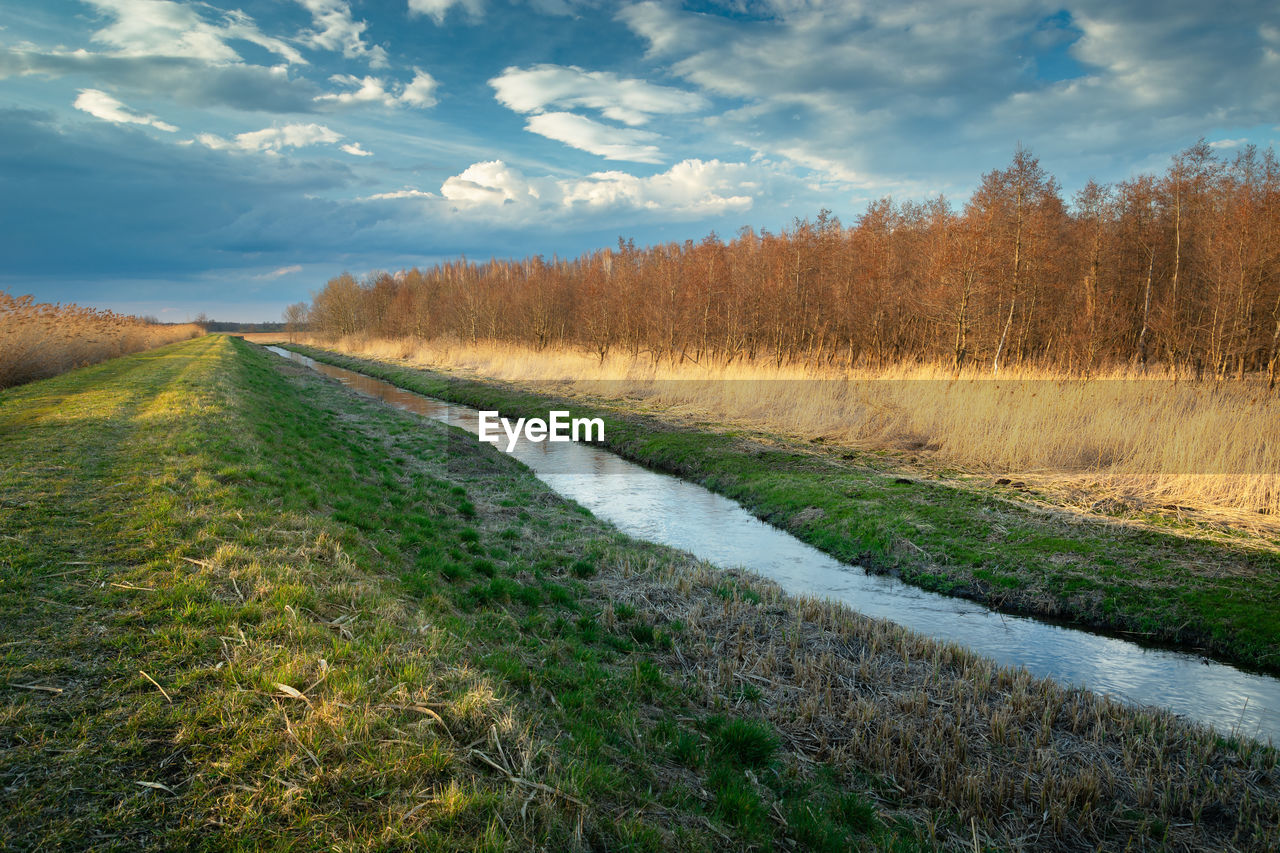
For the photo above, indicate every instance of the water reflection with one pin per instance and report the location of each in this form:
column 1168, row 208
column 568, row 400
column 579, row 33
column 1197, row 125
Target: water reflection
column 665, row 509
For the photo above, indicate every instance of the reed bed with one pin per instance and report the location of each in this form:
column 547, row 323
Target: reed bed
column 40, row 339
column 1122, row 438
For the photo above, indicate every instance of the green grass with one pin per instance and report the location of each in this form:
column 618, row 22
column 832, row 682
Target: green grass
column 245, row 609
column 1163, row 586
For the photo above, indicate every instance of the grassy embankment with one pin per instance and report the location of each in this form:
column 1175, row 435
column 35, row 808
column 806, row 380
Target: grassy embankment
column 1158, row 580
column 244, row 608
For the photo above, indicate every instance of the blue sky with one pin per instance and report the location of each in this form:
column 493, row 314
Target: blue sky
column 170, row 157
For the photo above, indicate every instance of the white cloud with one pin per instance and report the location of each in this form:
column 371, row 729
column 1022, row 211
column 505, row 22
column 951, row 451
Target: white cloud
column 166, row 28
column 355, row 150
column 491, row 182
column 611, row 143
column 282, row 271
column 438, row 9
column 625, row 99
column 688, row 190
column 273, row 139
column 691, row 188
column 365, row 90
column 101, row 105
column 335, row 29
column 406, row 193
column 420, row 92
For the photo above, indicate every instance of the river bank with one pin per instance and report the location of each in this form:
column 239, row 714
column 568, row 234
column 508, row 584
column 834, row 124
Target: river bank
column 245, row 607
column 1150, row 579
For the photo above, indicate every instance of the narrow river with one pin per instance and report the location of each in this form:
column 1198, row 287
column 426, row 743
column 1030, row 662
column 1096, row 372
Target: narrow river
column 671, row 511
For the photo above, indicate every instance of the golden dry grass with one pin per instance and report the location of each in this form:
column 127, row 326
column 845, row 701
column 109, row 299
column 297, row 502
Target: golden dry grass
column 1146, row 439
column 38, row 340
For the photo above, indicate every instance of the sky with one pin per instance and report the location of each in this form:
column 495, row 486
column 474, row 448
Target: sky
column 173, row 157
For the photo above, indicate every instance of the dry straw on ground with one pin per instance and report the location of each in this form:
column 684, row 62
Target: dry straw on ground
column 1149, row 438
column 1024, row 762
column 38, row 340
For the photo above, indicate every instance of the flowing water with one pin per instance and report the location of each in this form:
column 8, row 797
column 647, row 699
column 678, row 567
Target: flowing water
column 671, row 511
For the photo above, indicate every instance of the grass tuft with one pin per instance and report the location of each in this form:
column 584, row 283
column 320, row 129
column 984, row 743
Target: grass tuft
column 746, row 742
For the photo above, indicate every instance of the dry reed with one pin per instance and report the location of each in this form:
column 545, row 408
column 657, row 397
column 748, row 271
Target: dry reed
column 38, row 340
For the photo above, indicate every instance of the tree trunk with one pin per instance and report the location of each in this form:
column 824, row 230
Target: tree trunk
column 1146, row 308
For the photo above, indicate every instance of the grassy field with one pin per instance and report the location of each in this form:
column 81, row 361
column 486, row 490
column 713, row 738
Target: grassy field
column 1150, row 577
column 246, row 609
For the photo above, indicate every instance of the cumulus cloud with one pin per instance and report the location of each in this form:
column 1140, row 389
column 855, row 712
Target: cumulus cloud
column 688, row 190
column 335, row 29
column 166, row 28
column 418, row 92
column 355, row 150
column 438, row 9
column 611, row 143
column 625, row 99
column 101, row 105
column 491, row 182
column 364, row 90
column 273, row 139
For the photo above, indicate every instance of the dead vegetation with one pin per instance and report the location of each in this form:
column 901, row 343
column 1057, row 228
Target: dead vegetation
column 1024, row 763
column 39, row 339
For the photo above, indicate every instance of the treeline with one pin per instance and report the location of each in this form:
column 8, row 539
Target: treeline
column 1181, row 269
column 235, row 326
column 41, row 339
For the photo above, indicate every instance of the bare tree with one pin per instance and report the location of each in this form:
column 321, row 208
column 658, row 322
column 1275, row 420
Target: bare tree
column 295, row 319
